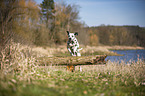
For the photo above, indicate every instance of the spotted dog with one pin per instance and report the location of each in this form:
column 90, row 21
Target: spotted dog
column 72, row 44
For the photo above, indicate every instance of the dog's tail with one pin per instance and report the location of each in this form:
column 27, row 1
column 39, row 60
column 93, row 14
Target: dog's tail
column 80, row 49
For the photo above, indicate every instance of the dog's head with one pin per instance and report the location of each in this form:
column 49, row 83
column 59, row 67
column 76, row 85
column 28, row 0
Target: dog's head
column 71, row 36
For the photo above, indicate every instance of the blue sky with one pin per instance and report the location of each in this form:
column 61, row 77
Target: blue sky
column 110, row 12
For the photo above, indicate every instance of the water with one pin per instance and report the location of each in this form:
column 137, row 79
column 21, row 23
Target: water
column 129, row 55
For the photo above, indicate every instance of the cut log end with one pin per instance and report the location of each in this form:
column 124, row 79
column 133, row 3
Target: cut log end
column 70, row 68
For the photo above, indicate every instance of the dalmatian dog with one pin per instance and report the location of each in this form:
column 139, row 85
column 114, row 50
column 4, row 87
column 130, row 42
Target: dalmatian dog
column 73, row 44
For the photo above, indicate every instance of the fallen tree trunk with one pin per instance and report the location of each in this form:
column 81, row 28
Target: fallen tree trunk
column 70, row 60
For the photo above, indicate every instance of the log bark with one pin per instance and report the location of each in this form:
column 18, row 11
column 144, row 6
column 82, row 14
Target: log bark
column 82, row 60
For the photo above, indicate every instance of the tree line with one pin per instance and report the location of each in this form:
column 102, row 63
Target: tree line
column 42, row 24
column 117, row 35
column 46, row 24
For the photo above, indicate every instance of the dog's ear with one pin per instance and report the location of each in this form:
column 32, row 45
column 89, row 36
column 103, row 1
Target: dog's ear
column 67, row 32
column 76, row 33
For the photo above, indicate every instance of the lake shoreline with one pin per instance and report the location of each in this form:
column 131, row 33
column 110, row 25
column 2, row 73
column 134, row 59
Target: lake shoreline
column 129, row 55
column 116, row 47
column 107, row 50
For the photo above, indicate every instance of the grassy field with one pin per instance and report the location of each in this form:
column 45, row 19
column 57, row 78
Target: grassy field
column 24, row 77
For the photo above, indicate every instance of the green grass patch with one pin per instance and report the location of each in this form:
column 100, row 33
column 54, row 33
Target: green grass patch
column 58, row 82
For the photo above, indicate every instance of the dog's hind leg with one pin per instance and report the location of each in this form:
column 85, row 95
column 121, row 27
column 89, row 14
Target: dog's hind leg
column 78, row 53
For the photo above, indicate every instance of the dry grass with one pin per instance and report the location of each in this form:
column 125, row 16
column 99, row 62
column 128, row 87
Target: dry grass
column 22, row 75
column 59, row 50
column 124, row 47
column 52, row 51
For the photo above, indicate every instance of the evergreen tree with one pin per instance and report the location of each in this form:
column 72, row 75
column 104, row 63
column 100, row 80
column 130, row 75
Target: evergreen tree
column 48, row 16
column 48, row 11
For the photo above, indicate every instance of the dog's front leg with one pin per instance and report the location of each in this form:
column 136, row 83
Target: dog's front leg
column 69, row 50
column 75, row 51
